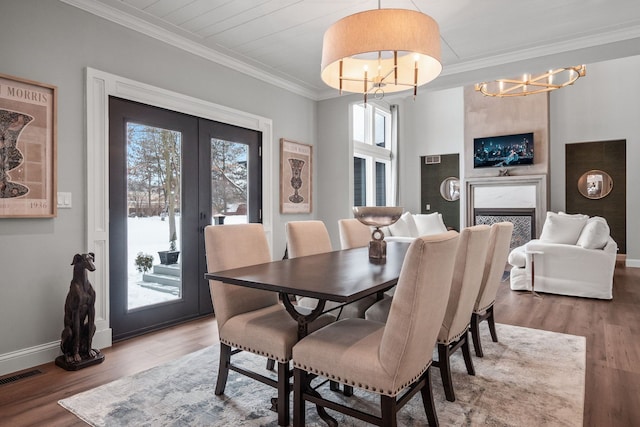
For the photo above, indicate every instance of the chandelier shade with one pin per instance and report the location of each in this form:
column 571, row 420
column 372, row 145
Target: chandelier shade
column 530, row 85
column 381, row 51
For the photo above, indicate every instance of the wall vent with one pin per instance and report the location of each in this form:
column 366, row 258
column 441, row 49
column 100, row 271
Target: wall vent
column 17, row 377
column 431, row 160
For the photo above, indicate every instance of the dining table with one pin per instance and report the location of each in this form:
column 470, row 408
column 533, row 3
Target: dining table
column 342, row 276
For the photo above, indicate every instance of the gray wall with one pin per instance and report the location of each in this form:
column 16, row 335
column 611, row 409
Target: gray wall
column 51, row 42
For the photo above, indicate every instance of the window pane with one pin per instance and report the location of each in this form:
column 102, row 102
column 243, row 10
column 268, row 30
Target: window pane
column 359, row 181
column 380, row 130
column 358, row 123
column 381, row 184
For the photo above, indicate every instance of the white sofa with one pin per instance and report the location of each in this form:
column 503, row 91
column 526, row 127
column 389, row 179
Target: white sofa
column 410, row 226
column 575, row 255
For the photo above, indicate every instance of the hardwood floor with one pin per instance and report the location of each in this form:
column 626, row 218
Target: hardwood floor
column 612, row 328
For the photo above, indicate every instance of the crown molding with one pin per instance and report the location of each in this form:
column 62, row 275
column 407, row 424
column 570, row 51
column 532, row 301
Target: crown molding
column 589, row 41
column 114, row 15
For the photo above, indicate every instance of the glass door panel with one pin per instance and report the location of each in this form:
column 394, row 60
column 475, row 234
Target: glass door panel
column 229, row 181
column 154, row 206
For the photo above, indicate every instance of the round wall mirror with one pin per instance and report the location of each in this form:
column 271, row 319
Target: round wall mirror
column 595, row 184
column 450, row 188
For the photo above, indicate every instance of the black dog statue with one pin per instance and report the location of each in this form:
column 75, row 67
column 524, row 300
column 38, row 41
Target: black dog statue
column 79, row 318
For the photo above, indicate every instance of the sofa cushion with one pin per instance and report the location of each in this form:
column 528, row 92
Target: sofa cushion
column 595, row 234
column 564, row 229
column 428, row 224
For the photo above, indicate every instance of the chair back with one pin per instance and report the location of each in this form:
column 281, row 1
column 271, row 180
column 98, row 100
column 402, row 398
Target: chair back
column 353, row 233
column 418, row 306
column 497, row 253
column 467, row 275
column 307, row 238
column 234, row 246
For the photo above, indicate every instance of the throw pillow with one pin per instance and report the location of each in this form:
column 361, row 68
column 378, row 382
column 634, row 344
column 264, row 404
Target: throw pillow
column 595, row 234
column 428, row 224
column 400, row 228
column 573, row 215
column 562, row 228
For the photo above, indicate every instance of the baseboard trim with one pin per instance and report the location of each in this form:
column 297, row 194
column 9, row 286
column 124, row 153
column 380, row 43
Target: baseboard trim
column 634, row 263
column 39, row 355
column 29, row 357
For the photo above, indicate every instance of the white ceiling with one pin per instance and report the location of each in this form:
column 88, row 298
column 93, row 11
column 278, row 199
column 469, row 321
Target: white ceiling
column 280, row 41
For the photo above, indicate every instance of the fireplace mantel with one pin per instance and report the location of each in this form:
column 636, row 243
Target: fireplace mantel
column 521, row 191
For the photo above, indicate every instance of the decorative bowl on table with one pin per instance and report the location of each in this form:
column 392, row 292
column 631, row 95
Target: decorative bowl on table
column 377, row 216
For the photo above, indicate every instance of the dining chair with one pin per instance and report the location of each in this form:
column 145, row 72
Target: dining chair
column 467, row 276
column 495, row 262
column 391, row 360
column 250, row 319
column 353, row 233
column 310, row 238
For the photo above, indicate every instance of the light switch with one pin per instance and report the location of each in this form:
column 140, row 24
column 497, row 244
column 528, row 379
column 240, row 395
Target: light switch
column 64, row 200
column 428, row 207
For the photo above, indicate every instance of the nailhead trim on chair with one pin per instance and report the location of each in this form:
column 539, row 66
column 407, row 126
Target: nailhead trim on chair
column 452, row 339
column 482, row 310
column 260, row 353
column 391, row 393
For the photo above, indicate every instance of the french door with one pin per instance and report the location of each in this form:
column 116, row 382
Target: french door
column 170, row 175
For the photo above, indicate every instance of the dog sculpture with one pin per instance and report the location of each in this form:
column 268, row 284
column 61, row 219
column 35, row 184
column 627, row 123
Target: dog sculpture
column 79, row 312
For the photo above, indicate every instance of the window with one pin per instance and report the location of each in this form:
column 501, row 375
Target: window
column 371, row 127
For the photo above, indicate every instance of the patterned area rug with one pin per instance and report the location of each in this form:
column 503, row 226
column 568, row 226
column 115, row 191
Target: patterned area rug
column 529, row 378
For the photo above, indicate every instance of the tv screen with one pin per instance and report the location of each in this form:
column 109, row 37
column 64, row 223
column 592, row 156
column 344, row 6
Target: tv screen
column 503, row 151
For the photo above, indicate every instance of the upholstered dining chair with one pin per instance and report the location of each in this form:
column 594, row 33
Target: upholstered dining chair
column 309, row 238
column 467, row 276
column 497, row 254
column 392, row 360
column 353, row 233
column 250, row 319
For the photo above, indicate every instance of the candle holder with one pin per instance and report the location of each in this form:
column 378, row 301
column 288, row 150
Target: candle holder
column 377, row 216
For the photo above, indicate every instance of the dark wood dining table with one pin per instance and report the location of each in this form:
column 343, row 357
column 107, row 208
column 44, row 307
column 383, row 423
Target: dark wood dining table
column 342, row 276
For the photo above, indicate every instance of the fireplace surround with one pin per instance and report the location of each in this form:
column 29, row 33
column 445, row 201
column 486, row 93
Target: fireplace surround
column 513, row 195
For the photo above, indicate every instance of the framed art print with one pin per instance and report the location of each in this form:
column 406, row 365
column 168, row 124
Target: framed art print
column 27, row 149
column 296, row 161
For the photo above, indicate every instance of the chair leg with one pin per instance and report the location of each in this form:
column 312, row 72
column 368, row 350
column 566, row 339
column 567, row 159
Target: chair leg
column 298, row 401
column 271, row 364
column 284, row 389
column 427, row 400
column 223, row 368
column 388, row 411
column 475, row 334
column 492, row 324
column 445, row 372
column 466, row 353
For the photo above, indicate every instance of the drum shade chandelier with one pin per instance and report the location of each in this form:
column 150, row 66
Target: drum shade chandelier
column 381, row 51
column 529, row 85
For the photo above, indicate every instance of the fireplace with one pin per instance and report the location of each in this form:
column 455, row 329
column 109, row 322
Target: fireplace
column 524, row 222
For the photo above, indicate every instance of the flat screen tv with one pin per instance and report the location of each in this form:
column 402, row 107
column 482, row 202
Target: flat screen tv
column 503, row 151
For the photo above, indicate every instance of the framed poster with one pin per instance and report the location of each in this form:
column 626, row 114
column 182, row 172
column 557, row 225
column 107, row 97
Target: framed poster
column 296, row 161
column 27, row 148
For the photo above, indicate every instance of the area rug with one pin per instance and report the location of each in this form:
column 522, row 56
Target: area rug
column 529, row 378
